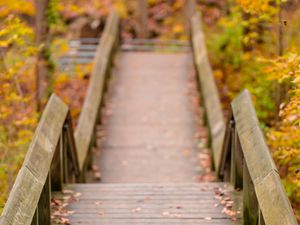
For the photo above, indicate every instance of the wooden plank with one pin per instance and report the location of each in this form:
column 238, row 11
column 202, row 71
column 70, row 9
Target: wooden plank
column 86, row 124
column 158, row 215
column 147, row 203
column 149, row 186
column 24, row 196
column 173, row 221
column 272, row 199
column 208, row 89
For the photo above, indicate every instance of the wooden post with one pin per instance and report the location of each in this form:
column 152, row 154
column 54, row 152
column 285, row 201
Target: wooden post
column 261, row 220
column 229, row 156
column 65, row 159
column 71, row 150
column 57, row 167
column 250, row 204
column 43, row 211
column 224, row 171
column 233, row 159
column 236, row 161
column 227, row 171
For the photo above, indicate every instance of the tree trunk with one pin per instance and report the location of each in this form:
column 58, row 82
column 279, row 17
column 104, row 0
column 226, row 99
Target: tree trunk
column 142, row 17
column 42, row 65
column 189, row 10
column 279, row 87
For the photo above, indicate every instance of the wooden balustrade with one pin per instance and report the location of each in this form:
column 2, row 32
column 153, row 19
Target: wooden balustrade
column 90, row 114
column 51, row 160
column 55, row 156
column 246, row 163
column 240, row 153
column 212, row 104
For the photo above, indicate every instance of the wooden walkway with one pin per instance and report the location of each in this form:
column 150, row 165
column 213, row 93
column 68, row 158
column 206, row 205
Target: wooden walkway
column 148, row 155
column 149, row 135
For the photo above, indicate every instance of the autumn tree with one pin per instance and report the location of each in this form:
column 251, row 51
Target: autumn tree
column 17, row 114
column 189, row 10
column 142, row 18
column 42, row 41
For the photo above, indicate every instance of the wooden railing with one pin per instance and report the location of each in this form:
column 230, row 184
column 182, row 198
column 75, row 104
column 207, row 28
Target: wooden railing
column 89, row 117
column 55, row 156
column 52, row 154
column 214, row 115
column 246, row 162
column 241, row 156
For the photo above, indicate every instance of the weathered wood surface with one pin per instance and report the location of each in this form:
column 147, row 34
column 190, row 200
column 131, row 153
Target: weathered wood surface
column 88, row 118
column 251, row 208
column 72, row 151
column 185, row 203
column 25, row 194
column 236, row 161
column 224, row 171
column 43, row 212
column 149, row 135
column 271, row 196
column 208, row 90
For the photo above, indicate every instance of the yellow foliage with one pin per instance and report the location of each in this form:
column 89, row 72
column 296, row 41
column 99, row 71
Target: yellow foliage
column 257, row 6
column 284, row 139
column 16, row 6
column 178, row 28
column 178, row 5
column 121, row 8
column 151, row 2
column 17, row 113
column 62, row 78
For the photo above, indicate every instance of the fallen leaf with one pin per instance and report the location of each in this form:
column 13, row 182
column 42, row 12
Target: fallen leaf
column 166, row 214
column 137, row 210
column 186, row 152
column 97, row 175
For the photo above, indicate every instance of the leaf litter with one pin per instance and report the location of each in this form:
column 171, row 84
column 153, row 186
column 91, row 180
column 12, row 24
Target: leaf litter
column 60, row 213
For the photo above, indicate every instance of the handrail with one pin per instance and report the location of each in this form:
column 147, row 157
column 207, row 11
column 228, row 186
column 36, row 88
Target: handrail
column 247, row 161
column 31, row 190
column 209, row 90
column 240, row 152
column 84, row 133
column 52, row 156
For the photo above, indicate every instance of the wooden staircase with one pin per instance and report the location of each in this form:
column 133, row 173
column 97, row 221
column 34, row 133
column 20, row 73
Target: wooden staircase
column 51, row 186
column 116, row 204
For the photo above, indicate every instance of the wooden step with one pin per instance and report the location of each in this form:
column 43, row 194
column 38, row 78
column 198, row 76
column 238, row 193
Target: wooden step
column 188, row 203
